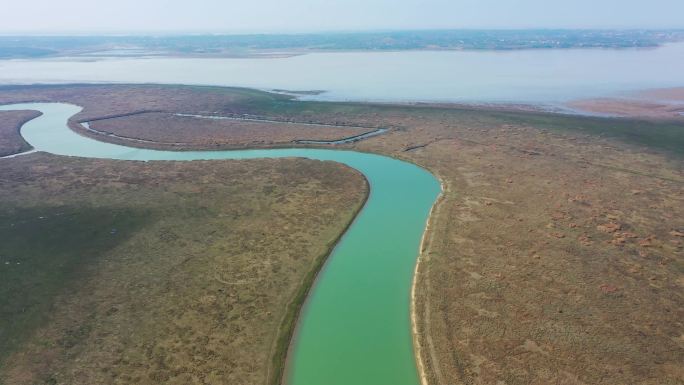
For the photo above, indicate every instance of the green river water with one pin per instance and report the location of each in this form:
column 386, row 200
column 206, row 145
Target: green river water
column 355, row 325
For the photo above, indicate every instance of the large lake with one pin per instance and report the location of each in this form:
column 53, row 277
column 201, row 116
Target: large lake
column 528, row 76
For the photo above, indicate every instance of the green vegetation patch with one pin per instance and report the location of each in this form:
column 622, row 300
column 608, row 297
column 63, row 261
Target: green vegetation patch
column 663, row 135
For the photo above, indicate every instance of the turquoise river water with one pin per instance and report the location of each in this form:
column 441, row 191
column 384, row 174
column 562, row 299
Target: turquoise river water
column 355, row 326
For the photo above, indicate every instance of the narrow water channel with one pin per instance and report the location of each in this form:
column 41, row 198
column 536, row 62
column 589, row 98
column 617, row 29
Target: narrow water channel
column 355, row 326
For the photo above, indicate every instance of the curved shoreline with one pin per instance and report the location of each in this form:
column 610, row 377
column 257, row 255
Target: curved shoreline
column 352, row 159
column 13, row 144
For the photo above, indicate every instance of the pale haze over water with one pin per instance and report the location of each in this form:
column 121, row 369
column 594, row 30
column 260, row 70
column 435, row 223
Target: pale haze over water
column 527, row 76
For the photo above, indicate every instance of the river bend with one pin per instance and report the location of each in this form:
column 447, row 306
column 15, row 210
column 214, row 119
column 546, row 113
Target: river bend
column 354, row 328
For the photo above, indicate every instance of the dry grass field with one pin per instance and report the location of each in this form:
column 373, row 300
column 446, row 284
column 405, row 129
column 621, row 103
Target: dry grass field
column 115, row 272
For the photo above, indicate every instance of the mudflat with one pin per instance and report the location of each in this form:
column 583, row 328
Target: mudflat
column 160, row 272
column 661, row 104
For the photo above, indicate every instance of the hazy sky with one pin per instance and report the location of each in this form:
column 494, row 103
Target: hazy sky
column 41, row 16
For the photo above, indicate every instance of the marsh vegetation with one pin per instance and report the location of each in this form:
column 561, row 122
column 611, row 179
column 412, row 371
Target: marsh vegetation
column 162, row 272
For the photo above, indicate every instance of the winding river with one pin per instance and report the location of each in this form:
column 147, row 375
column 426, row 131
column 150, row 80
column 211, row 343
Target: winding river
column 354, row 328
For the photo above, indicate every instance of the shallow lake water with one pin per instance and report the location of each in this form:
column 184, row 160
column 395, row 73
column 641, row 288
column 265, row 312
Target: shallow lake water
column 523, row 76
column 355, row 325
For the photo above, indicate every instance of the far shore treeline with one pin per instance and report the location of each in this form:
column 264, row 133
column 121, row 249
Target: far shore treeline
column 240, row 45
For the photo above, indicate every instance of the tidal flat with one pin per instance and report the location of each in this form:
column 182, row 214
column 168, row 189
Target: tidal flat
column 160, row 272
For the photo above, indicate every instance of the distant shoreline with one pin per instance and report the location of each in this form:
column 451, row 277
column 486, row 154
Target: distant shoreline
column 14, row 46
column 265, row 54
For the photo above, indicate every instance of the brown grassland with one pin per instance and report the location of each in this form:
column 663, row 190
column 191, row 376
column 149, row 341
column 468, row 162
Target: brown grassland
column 555, row 254
column 188, row 132
column 116, row 272
column 11, row 141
